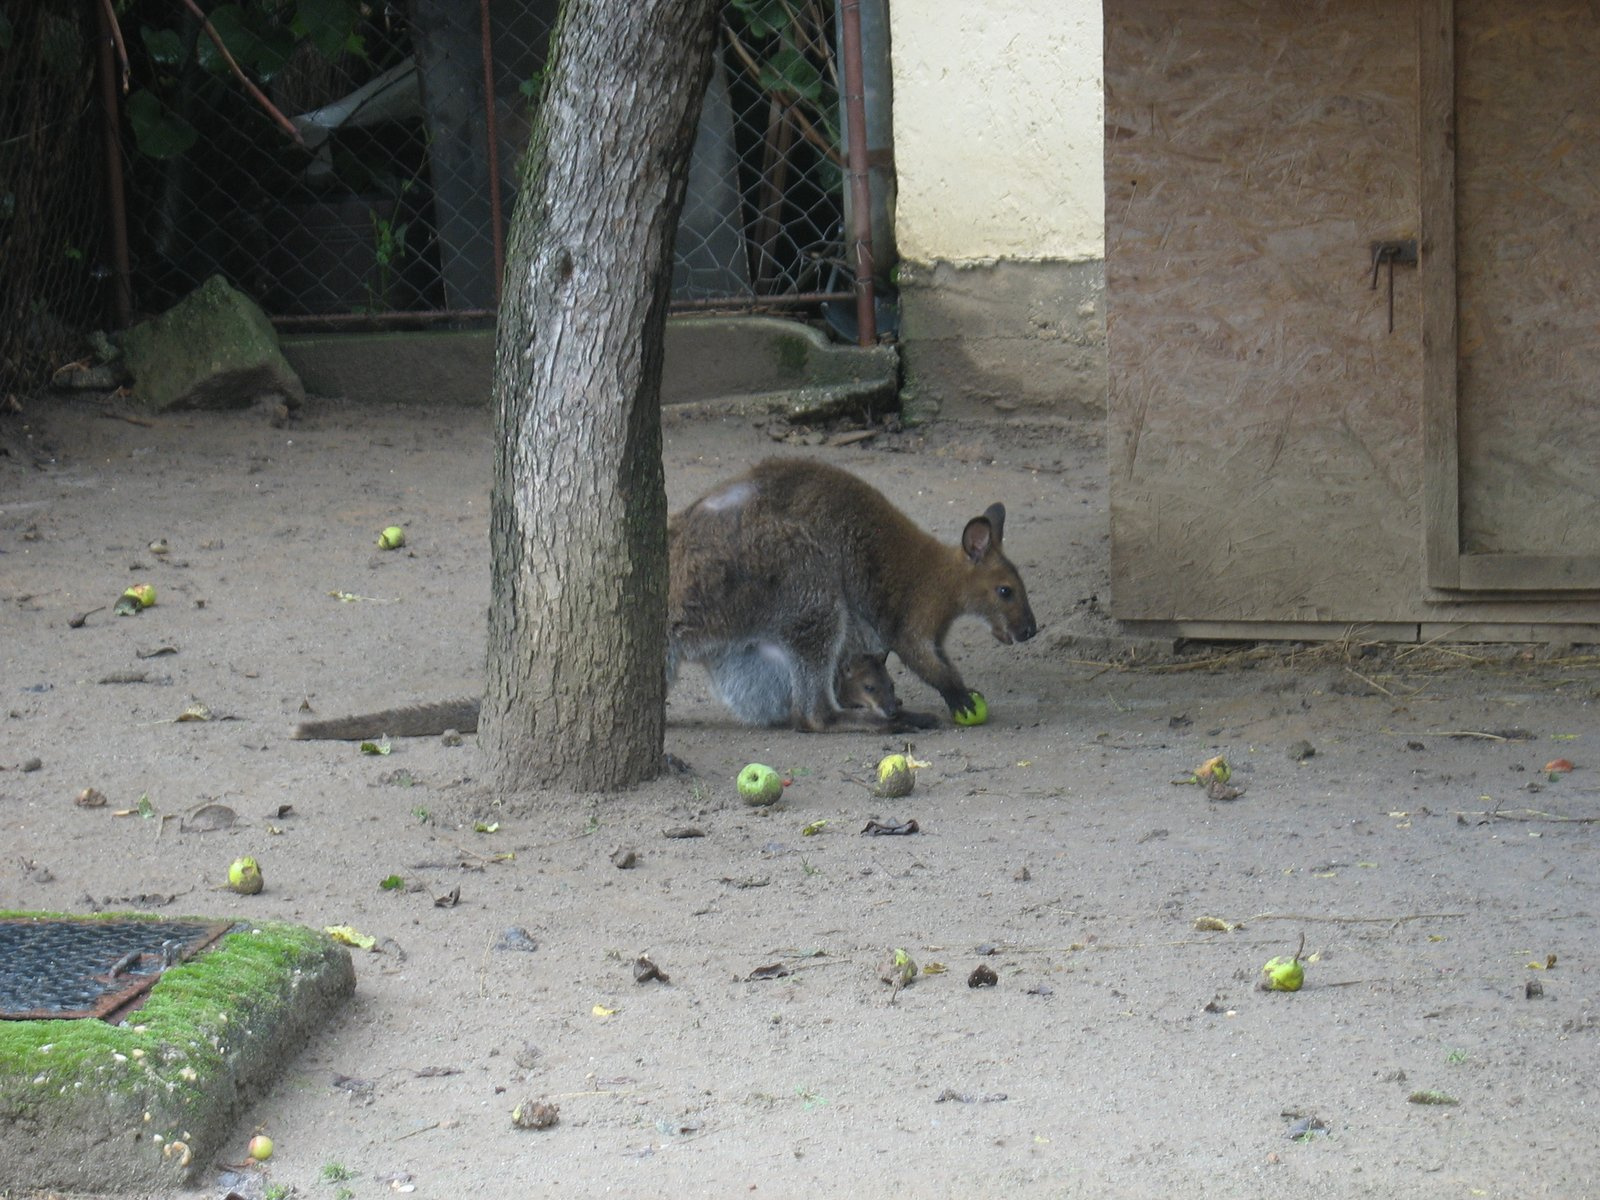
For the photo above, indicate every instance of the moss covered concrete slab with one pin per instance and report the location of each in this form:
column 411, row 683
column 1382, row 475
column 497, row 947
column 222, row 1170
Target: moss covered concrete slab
column 763, row 364
column 91, row 1106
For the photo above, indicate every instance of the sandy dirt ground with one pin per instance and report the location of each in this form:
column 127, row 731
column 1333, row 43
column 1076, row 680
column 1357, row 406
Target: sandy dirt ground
column 1393, row 807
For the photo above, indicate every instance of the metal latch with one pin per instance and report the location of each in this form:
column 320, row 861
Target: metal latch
column 1402, row 252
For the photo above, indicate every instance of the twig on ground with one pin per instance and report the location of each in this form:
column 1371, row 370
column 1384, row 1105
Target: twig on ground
column 1431, row 916
column 1527, row 814
column 1371, row 683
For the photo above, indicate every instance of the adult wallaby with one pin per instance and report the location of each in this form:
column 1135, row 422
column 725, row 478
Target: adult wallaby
column 803, row 559
column 747, row 680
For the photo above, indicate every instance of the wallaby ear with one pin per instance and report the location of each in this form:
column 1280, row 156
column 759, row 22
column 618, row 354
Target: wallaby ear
column 982, row 534
column 976, row 538
column 996, row 513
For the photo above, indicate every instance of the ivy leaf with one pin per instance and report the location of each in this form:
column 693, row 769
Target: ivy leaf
column 239, row 38
column 159, row 132
column 789, row 71
column 163, row 45
column 330, row 24
column 761, row 17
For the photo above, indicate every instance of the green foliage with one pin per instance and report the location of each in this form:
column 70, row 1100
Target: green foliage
column 789, row 71
column 259, row 37
column 787, row 50
column 330, row 24
column 158, row 131
column 164, row 46
column 259, row 48
column 761, row 17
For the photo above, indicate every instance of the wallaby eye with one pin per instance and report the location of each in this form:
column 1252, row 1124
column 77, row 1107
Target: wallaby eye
column 1004, row 592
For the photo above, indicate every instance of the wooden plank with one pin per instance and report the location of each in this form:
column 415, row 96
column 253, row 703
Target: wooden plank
column 1510, row 631
column 1528, row 289
column 1275, row 631
column 1530, row 572
column 1441, row 508
column 1397, row 632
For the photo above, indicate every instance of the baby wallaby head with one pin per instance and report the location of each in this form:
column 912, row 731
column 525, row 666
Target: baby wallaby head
column 864, row 683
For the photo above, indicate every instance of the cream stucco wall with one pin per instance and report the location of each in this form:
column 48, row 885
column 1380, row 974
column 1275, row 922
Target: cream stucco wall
column 998, row 129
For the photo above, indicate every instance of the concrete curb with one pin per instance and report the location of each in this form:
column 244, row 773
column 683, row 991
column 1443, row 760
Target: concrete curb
column 90, row 1106
column 752, row 363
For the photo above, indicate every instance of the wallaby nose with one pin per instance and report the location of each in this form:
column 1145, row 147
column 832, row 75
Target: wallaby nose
column 1027, row 628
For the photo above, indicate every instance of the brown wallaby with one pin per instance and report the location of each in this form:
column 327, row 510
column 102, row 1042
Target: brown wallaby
column 755, row 688
column 802, row 560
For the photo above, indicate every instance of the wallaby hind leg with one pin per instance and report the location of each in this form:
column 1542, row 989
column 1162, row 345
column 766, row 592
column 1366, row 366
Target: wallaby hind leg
column 814, row 638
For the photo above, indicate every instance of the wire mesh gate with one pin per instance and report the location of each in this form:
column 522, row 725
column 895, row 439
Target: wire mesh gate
column 347, row 162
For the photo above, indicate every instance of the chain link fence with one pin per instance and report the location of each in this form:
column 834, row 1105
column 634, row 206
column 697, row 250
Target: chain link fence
column 55, row 272
column 351, row 163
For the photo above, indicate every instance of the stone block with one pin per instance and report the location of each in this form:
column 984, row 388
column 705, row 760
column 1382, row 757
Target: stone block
column 213, row 349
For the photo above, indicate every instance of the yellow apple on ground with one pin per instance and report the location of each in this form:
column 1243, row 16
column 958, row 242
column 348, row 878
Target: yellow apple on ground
column 244, row 876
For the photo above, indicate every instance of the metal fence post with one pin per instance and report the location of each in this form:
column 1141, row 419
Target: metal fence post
column 860, row 234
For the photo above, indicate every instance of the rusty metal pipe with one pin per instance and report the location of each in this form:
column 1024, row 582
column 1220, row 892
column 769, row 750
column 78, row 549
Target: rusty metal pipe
column 492, row 128
column 408, row 319
column 856, row 170
column 116, row 196
column 777, row 300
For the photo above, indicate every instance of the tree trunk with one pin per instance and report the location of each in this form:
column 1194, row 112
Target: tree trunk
column 576, row 686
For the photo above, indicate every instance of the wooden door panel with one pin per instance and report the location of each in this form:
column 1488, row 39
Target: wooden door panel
column 1526, row 198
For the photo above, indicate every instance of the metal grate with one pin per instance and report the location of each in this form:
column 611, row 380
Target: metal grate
column 54, row 968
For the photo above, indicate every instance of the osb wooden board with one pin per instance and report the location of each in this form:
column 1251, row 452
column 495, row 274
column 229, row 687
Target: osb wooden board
column 1528, row 264
column 1265, row 451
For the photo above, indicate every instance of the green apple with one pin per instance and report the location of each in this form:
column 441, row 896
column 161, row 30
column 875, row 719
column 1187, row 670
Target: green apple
column 759, row 785
column 392, row 538
column 974, row 712
column 1284, row 974
column 261, row 1147
column 244, row 876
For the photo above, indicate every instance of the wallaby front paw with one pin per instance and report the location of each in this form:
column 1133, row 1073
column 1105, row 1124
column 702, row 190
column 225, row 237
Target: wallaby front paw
column 974, row 712
column 905, row 721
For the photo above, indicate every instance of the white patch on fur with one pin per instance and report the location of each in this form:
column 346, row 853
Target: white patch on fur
column 775, row 654
column 735, row 495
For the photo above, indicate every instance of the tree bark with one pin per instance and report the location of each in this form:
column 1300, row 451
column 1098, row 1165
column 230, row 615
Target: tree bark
column 575, row 696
